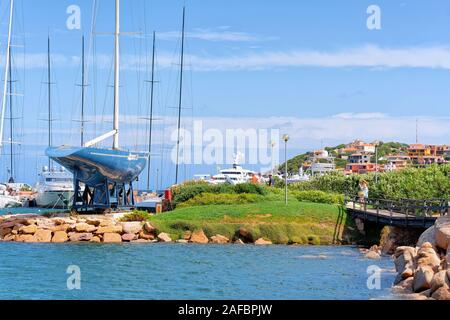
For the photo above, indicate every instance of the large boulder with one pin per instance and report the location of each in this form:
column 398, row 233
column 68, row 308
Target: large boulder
column 31, row 229
column 427, row 256
column 5, row 231
column 164, row 237
column 24, row 238
column 132, row 227
column 198, row 236
column 404, row 258
column 42, row 235
column 404, row 286
column 143, row 234
column 422, row 278
column 442, row 236
column 47, row 224
column 60, row 237
column 439, row 280
column 129, row 237
column 220, row 239
column 443, row 293
column 61, row 227
column 262, row 241
column 93, row 221
column 428, row 235
column 84, row 227
column 111, row 237
column 76, row 237
column 95, row 239
column 109, row 229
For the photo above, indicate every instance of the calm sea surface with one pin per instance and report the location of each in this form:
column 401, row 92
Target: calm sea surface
column 187, row 271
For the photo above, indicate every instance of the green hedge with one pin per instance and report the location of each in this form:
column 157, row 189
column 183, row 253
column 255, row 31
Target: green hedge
column 184, row 192
column 223, row 198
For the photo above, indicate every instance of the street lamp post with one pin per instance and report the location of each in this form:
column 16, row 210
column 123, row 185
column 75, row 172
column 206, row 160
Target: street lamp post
column 376, row 164
column 285, row 138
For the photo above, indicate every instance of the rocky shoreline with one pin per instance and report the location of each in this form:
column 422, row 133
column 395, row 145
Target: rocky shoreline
column 424, row 270
column 100, row 229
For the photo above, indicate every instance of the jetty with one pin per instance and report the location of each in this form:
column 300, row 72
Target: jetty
column 409, row 213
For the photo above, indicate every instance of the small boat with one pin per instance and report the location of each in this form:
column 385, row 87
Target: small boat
column 7, row 200
column 54, row 189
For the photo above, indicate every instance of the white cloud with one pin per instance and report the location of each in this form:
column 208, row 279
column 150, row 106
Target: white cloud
column 223, row 34
column 360, row 115
column 304, row 132
column 369, row 56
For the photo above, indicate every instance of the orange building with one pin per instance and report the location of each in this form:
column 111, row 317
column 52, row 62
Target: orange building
column 361, row 168
column 426, row 154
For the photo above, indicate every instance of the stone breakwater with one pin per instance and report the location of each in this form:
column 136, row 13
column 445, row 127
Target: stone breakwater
column 100, row 229
column 424, row 270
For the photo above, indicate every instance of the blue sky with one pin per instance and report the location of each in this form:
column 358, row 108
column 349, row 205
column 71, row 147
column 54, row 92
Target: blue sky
column 309, row 68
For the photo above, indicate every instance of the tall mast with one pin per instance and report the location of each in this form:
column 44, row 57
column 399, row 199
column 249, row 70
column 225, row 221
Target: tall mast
column 5, row 84
column 49, row 88
column 11, row 148
column 83, row 84
column 152, row 82
column 180, row 96
column 116, row 77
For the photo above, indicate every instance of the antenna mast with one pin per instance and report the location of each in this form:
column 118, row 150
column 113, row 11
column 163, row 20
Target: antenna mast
column 180, row 96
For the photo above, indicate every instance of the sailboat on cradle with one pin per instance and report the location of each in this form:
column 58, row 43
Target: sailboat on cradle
column 107, row 175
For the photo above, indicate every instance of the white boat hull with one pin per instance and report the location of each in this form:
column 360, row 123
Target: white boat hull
column 54, row 199
column 9, row 202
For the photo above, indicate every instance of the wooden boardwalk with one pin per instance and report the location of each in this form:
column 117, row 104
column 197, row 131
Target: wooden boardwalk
column 403, row 213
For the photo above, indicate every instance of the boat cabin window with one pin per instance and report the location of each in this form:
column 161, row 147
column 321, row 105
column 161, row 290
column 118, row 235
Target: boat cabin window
column 58, row 179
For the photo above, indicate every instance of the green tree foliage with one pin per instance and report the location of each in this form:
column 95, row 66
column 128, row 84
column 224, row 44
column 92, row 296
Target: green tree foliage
column 410, row 183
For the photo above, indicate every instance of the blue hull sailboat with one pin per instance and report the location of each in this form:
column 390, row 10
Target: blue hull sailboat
column 103, row 178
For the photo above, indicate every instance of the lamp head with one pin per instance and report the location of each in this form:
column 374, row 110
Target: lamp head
column 285, row 137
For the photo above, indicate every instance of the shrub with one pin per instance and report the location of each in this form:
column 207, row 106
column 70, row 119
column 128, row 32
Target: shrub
column 319, row 197
column 410, row 183
column 223, row 198
column 135, row 216
column 184, row 192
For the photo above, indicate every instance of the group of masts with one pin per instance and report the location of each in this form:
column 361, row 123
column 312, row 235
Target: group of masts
column 8, row 80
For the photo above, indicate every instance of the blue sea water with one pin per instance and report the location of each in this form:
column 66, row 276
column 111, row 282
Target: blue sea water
column 26, row 210
column 179, row 271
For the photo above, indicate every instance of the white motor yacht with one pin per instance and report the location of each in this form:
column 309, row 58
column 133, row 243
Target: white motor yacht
column 54, row 189
column 234, row 175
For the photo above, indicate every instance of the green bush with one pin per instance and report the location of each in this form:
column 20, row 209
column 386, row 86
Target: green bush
column 319, row 197
column 410, row 183
column 136, row 216
column 184, row 192
column 222, row 198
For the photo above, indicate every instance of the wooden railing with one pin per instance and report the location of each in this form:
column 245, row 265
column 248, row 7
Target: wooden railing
column 408, row 207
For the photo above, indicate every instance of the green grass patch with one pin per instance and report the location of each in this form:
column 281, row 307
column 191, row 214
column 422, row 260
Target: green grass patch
column 298, row 222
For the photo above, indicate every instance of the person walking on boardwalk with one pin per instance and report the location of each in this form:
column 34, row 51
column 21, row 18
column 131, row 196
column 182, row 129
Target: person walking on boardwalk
column 363, row 191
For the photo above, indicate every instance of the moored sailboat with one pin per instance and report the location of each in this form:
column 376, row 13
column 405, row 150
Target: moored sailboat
column 107, row 175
